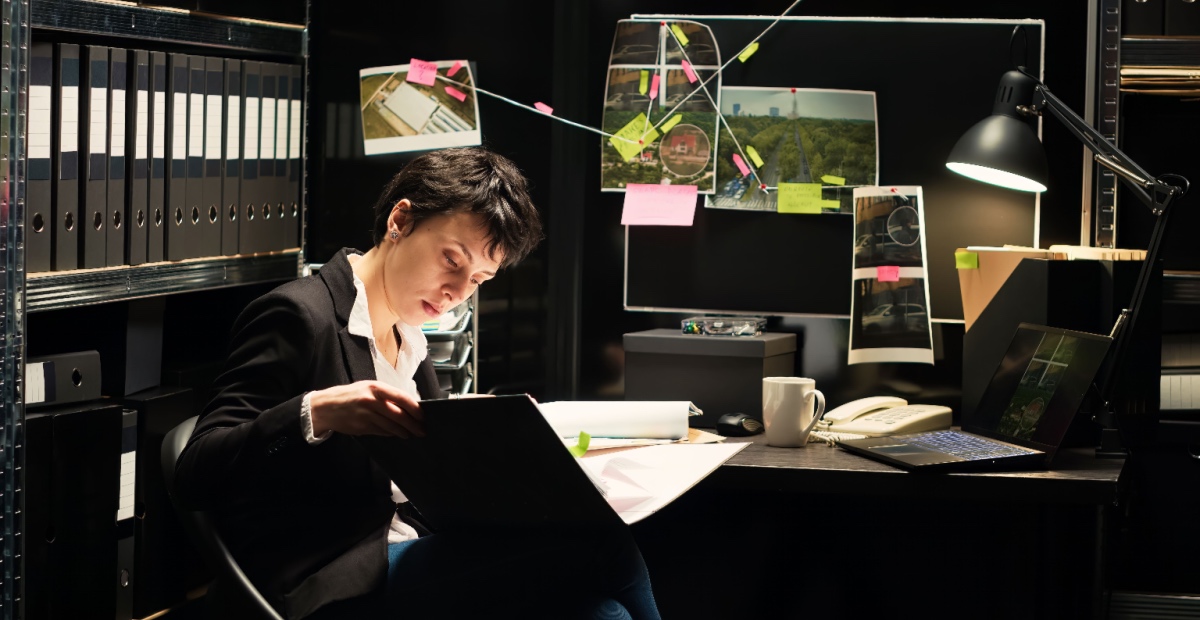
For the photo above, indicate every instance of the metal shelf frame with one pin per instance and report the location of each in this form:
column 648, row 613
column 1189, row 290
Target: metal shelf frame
column 85, row 287
column 152, row 27
column 167, row 26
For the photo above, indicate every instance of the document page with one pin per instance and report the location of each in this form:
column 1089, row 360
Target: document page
column 638, row 483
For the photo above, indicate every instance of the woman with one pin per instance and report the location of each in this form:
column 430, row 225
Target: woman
column 311, row 519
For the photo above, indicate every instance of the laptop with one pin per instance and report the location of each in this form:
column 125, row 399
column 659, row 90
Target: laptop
column 486, row 463
column 1024, row 413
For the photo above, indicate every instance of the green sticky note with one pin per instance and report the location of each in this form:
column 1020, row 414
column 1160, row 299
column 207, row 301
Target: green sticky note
column 671, row 123
column 800, row 198
column 626, row 140
column 644, row 84
column 754, row 156
column 834, row 205
column 966, row 260
column 748, row 52
column 580, row 449
column 683, row 40
column 829, row 179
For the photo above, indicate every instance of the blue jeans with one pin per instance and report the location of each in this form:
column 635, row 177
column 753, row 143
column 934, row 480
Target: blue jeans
column 525, row 575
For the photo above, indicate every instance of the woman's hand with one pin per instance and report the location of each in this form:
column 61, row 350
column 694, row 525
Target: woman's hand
column 366, row 408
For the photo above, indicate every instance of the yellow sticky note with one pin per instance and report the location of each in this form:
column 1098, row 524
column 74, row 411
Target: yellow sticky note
column 683, row 40
column 966, row 260
column 758, row 162
column 834, row 205
column 748, row 52
column 626, row 141
column 671, row 123
column 800, row 198
column 829, row 179
column 644, row 84
column 580, row 449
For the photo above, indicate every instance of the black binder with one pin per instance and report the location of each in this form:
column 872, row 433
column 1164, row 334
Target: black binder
column 295, row 170
column 251, row 222
column 118, row 137
column 65, row 201
column 176, row 228
column 195, row 211
column 166, row 565
column 231, row 158
column 210, row 216
column 460, row 492
column 158, row 215
column 93, row 234
column 137, row 189
column 71, row 498
column 39, row 220
column 125, row 573
column 1142, row 17
column 62, row 378
column 1181, row 18
column 271, row 233
column 283, row 99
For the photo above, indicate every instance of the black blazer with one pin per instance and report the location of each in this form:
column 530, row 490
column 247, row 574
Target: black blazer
column 308, row 524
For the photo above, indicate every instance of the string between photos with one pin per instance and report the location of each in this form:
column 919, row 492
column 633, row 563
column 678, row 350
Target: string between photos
column 703, row 86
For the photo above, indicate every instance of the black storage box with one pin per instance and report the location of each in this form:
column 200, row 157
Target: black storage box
column 719, row 374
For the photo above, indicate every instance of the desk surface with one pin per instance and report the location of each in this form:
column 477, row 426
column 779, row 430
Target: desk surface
column 1076, row 477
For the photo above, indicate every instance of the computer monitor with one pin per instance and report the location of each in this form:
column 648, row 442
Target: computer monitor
column 745, row 262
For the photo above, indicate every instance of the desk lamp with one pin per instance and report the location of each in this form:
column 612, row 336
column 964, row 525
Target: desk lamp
column 1003, row 150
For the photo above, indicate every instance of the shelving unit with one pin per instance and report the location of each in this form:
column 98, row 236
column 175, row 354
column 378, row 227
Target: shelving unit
column 148, row 27
column 456, row 346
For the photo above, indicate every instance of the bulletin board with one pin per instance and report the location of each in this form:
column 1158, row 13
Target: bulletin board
column 932, row 79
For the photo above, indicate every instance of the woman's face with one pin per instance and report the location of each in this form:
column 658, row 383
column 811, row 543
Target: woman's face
column 437, row 265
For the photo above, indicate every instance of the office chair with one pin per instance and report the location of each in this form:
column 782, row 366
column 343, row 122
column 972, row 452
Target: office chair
column 231, row 595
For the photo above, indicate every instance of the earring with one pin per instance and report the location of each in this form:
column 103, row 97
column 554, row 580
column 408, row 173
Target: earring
column 395, row 235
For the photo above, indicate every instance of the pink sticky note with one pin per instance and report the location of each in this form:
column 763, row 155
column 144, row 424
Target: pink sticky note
column 887, row 273
column 659, row 205
column 454, row 68
column 421, row 72
column 737, row 159
column 691, row 73
column 654, row 86
column 456, row 93
column 543, row 108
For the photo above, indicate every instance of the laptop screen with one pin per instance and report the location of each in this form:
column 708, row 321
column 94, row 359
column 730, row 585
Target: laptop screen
column 1038, row 386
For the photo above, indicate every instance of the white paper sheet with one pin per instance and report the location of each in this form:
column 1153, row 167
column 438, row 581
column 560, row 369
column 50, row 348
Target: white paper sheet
column 638, row 483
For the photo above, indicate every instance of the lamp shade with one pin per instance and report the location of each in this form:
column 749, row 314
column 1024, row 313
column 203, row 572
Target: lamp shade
column 1003, row 149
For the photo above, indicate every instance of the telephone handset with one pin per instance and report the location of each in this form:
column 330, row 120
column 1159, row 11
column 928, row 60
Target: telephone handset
column 877, row 416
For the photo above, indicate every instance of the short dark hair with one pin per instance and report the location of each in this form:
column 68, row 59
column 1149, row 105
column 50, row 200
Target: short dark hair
column 472, row 180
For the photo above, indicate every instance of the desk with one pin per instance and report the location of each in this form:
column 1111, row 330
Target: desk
column 821, row 509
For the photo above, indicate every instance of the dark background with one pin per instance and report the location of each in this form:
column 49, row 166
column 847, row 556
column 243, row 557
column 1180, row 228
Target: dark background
column 553, row 325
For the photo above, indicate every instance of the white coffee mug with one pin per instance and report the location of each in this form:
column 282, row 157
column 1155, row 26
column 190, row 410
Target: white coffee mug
column 788, row 411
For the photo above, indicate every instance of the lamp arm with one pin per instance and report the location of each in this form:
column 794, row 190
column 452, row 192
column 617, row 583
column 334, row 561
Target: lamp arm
column 1147, row 187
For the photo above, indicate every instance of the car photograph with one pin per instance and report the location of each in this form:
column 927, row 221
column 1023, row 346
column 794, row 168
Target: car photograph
column 895, row 318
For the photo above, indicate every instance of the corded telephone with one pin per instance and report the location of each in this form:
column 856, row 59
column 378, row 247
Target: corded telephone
column 878, row 416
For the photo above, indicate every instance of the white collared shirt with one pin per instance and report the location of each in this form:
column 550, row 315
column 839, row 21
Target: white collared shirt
column 397, row 373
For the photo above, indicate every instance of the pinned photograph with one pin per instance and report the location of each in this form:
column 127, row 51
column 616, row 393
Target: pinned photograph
column 887, row 229
column 663, row 125
column 889, row 321
column 669, row 138
column 403, row 113
column 827, row 139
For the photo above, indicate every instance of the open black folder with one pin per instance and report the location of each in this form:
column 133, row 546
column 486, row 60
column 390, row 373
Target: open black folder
column 487, row 462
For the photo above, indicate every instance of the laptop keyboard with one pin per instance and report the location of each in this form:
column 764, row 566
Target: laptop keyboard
column 968, row 447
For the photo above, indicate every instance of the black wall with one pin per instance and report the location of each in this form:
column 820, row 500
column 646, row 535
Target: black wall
column 553, row 325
